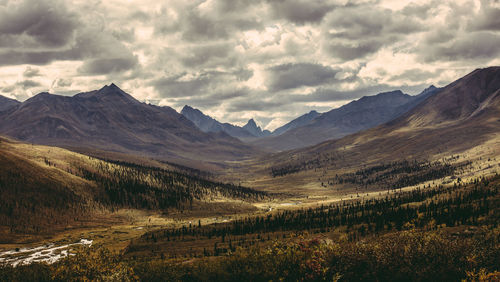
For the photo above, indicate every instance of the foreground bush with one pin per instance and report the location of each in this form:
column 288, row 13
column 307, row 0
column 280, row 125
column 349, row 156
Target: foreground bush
column 400, row 256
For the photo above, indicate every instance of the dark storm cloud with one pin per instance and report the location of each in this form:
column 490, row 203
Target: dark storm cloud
column 107, row 65
column 178, row 86
column 213, row 85
column 41, row 32
column 47, row 22
column 347, row 51
column 210, row 55
column 489, row 16
column 440, row 36
column 222, row 20
column 301, row 11
column 198, row 27
column 14, row 57
column 26, row 84
column 289, row 76
column 476, row 45
column 364, row 31
column 419, row 10
column 87, row 45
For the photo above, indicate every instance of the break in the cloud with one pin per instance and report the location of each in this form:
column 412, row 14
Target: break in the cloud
column 271, row 60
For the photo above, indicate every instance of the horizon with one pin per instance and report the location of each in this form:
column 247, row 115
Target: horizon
column 179, row 110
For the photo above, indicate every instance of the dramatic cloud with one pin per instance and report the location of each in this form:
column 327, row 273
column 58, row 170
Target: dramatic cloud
column 301, row 11
column 296, row 75
column 32, row 22
column 107, row 65
column 488, row 16
column 271, row 60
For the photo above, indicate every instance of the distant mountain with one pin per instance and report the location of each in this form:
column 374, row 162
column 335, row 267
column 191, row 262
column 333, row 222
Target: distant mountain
column 454, row 120
column 110, row 119
column 7, row 103
column 298, row 122
column 367, row 112
column 208, row 124
column 255, row 130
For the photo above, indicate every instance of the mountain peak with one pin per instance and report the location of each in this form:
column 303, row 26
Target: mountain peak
column 254, row 129
column 112, row 88
column 187, row 107
column 41, row 96
column 108, row 92
column 251, row 122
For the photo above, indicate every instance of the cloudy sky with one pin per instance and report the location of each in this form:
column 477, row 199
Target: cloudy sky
column 271, row 60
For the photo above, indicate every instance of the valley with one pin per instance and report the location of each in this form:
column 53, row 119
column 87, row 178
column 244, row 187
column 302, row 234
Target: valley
column 236, row 140
column 76, row 168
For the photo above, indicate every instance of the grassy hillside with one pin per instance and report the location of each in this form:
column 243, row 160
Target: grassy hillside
column 46, row 188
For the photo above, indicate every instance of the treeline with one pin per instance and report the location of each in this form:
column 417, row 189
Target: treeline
column 399, row 174
column 38, row 199
column 463, row 204
column 135, row 186
column 320, row 161
column 177, row 167
column 461, row 254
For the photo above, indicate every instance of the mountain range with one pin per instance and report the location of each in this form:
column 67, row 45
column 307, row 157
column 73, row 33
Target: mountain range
column 367, row 112
column 109, row 119
column 250, row 131
column 461, row 118
column 208, row 124
column 313, row 127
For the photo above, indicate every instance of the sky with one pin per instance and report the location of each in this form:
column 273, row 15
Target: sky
column 271, row 60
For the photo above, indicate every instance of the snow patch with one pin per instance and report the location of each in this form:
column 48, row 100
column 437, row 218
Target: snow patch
column 48, row 254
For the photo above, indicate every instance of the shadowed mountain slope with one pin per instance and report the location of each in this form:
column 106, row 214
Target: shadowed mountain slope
column 255, row 130
column 7, row 103
column 462, row 116
column 208, row 124
column 298, row 122
column 110, row 119
column 367, row 112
